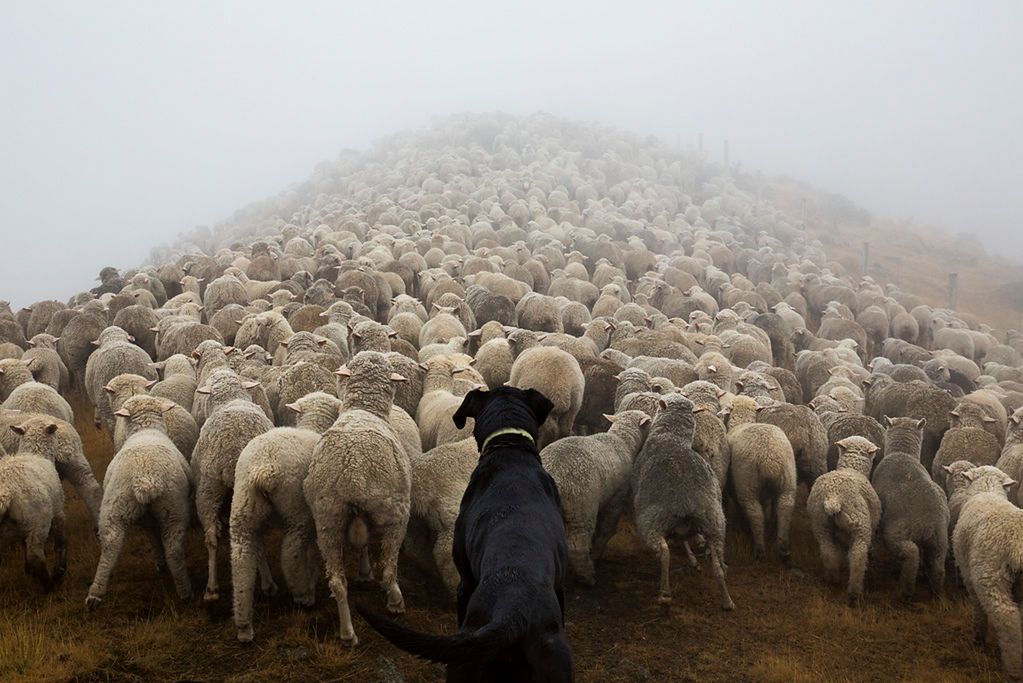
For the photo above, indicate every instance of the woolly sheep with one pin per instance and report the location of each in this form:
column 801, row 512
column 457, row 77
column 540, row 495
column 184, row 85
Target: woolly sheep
column 675, row 494
column 989, row 552
column 232, row 421
column 115, row 355
column 359, row 480
column 592, row 474
column 557, row 376
column 32, row 500
column 763, row 468
column 268, row 479
column 914, row 518
column 181, row 427
column 1010, row 460
column 844, row 512
column 148, row 475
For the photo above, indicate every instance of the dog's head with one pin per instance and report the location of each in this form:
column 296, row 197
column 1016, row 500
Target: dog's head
column 502, row 408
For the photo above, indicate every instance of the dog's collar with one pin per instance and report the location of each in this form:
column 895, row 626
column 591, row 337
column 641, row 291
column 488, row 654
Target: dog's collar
column 505, row 432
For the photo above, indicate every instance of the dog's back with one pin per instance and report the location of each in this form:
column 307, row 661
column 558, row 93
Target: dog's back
column 510, row 552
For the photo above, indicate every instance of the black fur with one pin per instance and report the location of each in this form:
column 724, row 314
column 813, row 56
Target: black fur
column 510, row 552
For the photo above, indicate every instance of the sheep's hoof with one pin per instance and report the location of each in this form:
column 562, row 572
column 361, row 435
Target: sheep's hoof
column 728, row 605
column 92, row 602
column 396, row 608
column 350, row 642
column 210, row 595
column 269, row 591
column 854, row 601
column 245, row 634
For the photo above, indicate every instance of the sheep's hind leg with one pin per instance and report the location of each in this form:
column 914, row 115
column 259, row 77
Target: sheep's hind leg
column 111, row 541
column 391, row 538
column 330, row 533
column 717, row 561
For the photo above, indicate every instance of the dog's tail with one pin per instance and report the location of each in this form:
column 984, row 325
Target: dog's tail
column 477, row 647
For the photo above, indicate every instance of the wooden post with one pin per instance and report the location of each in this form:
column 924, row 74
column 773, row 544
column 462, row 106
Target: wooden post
column 866, row 257
column 953, row 290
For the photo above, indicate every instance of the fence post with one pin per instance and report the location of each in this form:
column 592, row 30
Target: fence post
column 953, row 290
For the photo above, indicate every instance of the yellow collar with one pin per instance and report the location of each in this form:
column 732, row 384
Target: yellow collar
column 505, row 432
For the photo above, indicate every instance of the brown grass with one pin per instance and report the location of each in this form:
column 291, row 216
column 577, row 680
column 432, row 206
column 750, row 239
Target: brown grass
column 788, row 626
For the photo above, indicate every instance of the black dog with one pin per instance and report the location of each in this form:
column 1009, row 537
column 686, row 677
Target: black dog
column 510, row 552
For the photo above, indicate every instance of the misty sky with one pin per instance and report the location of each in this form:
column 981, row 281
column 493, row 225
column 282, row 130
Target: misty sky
column 122, row 125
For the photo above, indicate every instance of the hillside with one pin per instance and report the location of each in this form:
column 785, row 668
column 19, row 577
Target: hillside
column 493, row 193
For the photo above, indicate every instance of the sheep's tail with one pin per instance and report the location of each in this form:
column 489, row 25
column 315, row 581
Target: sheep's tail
column 265, row 476
column 832, row 504
column 146, row 488
column 477, row 647
column 358, row 532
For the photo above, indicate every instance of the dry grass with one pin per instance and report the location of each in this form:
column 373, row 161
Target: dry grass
column 788, row 625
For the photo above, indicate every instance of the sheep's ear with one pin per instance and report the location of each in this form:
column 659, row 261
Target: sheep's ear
column 1009, row 484
column 356, row 335
column 471, row 406
column 18, row 429
column 196, row 355
column 887, row 421
column 610, row 418
column 712, row 368
column 645, row 420
column 989, row 420
column 874, row 448
column 759, row 408
column 204, row 390
column 131, row 338
column 391, row 333
column 95, row 342
column 947, row 468
column 169, row 406
column 51, row 428
column 294, row 407
column 395, row 377
column 250, row 385
column 122, row 413
column 284, row 344
column 1016, row 419
column 475, row 333
column 109, row 389
column 662, row 403
column 343, row 371
column 228, row 350
column 151, row 383
column 739, row 386
column 699, row 409
column 921, row 423
column 656, row 387
column 424, row 366
column 721, row 392
column 968, row 475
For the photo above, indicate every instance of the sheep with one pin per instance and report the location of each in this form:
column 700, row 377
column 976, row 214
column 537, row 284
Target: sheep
column 115, row 355
column 58, row 442
column 441, row 328
column 675, row 494
column 28, row 396
column 148, row 475
column 955, row 489
column 1010, row 460
column 494, row 361
column 988, row 550
column 439, row 479
column 32, row 500
column 359, row 480
column 438, row 404
column 232, row 421
column 806, row 434
column 964, row 443
column 763, row 469
column 296, row 381
column 555, row 374
column 592, row 474
column 845, row 510
column 181, row 427
column 268, row 479
column 914, row 517
column 178, row 381
column 45, row 364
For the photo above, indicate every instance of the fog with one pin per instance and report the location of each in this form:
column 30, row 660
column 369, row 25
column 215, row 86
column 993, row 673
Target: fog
column 123, row 125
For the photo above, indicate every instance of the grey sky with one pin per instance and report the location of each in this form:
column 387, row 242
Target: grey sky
column 126, row 124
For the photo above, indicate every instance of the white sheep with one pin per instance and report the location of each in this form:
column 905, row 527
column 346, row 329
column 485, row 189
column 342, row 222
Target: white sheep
column 988, row 548
column 844, row 512
column 359, row 480
column 268, row 479
column 32, row 500
column 148, row 475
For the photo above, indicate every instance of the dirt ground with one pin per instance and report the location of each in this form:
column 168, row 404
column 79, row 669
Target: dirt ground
column 788, row 625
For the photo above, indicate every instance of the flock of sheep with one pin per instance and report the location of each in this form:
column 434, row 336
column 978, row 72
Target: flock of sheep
column 300, row 365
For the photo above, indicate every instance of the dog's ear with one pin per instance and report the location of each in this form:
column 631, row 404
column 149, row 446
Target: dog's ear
column 471, row 406
column 539, row 405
